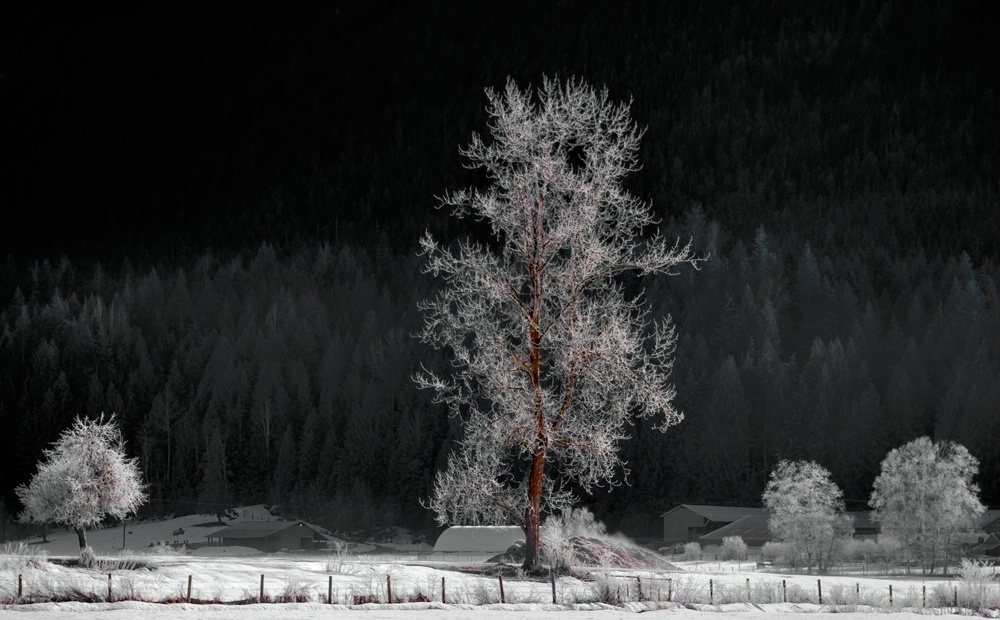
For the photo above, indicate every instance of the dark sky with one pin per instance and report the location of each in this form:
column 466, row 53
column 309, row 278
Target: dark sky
column 164, row 132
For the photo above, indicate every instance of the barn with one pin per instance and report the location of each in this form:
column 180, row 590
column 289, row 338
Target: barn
column 689, row 522
column 268, row 536
column 478, row 539
column 754, row 530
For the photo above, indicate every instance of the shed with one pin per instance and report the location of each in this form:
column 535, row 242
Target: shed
column 268, row 536
column 478, row 538
column 752, row 529
column 689, row 522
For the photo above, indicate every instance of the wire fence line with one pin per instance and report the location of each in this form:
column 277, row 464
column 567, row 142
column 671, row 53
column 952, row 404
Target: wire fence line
column 614, row 587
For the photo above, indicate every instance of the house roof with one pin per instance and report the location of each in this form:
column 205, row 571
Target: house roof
column 987, row 517
column 751, row 527
column 754, row 527
column 257, row 529
column 720, row 514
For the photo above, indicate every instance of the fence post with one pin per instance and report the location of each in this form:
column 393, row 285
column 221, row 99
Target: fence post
column 857, row 592
column 711, row 592
column 784, row 592
column 553, row 577
column 890, row 595
column 748, row 590
column 20, row 585
column 670, row 589
column 388, row 588
column 261, row 599
column 956, row 596
column 925, row 596
column 189, row 589
column 442, row 590
column 109, row 587
column 329, row 591
column 819, row 588
column 638, row 583
column 503, row 599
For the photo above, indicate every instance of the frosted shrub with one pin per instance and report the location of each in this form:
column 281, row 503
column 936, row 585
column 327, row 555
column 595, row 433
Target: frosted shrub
column 558, row 530
column 733, row 548
column 581, row 522
column 860, row 550
column 977, row 585
column 341, row 563
column 781, row 554
column 87, row 557
column 18, row 556
column 887, row 552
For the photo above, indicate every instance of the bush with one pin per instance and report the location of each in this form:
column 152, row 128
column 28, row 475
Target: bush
column 779, row 553
column 860, row 550
column 977, row 587
column 888, row 551
column 18, row 556
column 733, row 548
column 559, row 529
column 692, row 551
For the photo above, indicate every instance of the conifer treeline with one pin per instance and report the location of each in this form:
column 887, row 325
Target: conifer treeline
column 284, row 377
column 341, row 121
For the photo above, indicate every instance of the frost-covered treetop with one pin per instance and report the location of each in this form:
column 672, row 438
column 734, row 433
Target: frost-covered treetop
column 84, row 477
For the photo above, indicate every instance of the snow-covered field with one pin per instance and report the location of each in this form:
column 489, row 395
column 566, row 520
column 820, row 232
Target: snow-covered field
column 234, row 575
column 466, row 595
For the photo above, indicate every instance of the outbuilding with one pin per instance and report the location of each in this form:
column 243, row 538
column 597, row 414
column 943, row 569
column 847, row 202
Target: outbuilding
column 478, row 539
column 268, row 536
column 689, row 522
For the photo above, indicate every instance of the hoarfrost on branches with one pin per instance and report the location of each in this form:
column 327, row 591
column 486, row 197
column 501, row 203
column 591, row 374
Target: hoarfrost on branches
column 84, row 477
column 550, row 358
column 807, row 511
column 924, row 495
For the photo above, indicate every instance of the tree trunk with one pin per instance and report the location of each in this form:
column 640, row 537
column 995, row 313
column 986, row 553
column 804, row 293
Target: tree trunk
column 532, row 512
column 81, row 536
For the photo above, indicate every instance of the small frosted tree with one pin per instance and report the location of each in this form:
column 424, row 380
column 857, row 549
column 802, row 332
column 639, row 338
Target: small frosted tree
column 84, row 477
column 733, row 548
column 924, row 495
column 807, row 511
column 550, row 359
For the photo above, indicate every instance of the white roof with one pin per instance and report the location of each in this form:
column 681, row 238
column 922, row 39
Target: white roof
column 478, row 538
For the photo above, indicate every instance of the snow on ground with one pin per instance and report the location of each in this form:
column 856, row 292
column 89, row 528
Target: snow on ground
column 144, row 535
column 467, row 595
column 428, row 611
column 234, row 574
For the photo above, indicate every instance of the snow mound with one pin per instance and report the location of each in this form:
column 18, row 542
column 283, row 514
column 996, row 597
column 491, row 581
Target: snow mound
column 590, row 551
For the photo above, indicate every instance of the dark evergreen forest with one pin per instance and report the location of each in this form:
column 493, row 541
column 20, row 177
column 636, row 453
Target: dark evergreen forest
column 220, row 224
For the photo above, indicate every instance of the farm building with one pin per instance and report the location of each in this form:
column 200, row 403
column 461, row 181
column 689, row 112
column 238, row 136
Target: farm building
column 478, row 539
column 689, row 522
column 864, row 525
column 754, row 531
column 751, row 528
column 989, row 521
column 268, row 536
column 990, row 546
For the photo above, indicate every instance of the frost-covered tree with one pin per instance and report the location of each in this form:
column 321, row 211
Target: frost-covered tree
column 924, row 495
column 550, row 357
column 84, row 477
column 807, row 511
